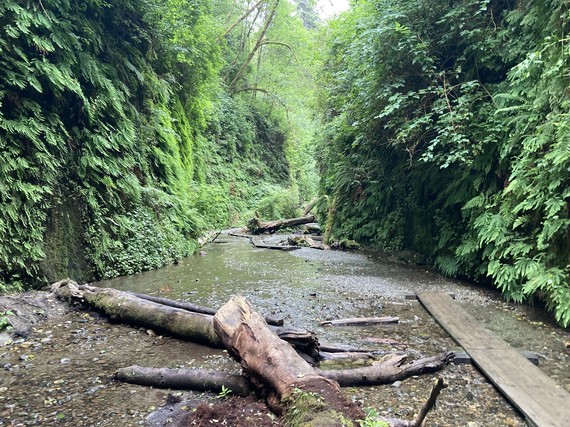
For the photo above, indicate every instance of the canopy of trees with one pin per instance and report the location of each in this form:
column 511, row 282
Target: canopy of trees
column 447, row 132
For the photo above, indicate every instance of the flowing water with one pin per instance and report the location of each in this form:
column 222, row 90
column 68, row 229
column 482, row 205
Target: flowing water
column 62, row 373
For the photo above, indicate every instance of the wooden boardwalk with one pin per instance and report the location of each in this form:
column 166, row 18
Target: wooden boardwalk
column 543, row 402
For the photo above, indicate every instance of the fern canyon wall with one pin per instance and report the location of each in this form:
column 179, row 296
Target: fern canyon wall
column 446, row 132
column 129, row 128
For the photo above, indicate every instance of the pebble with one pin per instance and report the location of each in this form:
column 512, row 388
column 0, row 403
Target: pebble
column 64, row 361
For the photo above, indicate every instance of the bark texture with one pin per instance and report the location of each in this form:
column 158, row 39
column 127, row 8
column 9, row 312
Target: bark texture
column 278, row 371
column 185, row 379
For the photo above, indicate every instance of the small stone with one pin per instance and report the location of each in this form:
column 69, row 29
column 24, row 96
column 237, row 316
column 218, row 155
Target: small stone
column 472, row 424
column 64, row 361
column 24, row 357
column 396, row 384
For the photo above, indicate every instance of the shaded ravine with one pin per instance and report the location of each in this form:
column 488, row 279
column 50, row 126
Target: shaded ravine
column 61, row 374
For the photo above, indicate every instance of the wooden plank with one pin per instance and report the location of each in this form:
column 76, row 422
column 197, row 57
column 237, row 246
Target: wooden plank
column 543, row 402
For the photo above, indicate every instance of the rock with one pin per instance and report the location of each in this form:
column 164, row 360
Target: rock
column 396, row 384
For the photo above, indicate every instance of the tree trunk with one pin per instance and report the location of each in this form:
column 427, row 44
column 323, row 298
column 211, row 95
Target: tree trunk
column 197, row 327
column 130, row 309
column 276, row 369
column 271, row 320
column 258, row 227
column 185, row 379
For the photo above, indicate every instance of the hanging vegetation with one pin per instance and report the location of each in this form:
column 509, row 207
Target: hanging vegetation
column 118, row 143
column 446, row 134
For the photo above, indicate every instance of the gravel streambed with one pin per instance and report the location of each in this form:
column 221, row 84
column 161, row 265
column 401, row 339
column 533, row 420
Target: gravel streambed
column 60, row 372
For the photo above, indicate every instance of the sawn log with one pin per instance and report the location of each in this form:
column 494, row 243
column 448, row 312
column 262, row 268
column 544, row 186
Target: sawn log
column 278, row 371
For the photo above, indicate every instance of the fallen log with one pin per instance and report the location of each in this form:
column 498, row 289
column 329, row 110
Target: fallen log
column 185, row 379
column 363, row 321
column 256, row 226
column 127, row 308
column 271, row 320
column 387, row 371
column 292, row 385
column 196, row 327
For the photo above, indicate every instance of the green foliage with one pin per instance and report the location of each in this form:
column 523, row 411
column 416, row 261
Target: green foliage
column 83, row 105
column 4, row 321
column 445, row 133
column 118, row 138
column 278, row 203
column 225, row 392
column 372, row 420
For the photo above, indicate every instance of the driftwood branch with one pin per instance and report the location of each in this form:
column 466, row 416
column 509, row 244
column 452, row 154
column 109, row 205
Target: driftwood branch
column 428, row 406
column 364, row 321
column 185, row 379
column 387, row 371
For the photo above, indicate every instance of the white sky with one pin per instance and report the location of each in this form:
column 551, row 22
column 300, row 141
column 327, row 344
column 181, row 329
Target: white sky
column 328, row 8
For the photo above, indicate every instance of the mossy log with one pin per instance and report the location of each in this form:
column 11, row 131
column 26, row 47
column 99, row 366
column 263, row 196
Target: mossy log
column 196, row 327
column 279, row 372
column 256, row 226
column 127, row 308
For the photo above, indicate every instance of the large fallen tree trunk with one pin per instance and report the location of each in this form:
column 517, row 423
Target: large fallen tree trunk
column 197, row 327
column 271, row 320
column 279, row 372
column 256, row 226
column 127, row 308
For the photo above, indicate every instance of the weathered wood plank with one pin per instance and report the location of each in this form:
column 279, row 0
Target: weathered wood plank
column 543, row 402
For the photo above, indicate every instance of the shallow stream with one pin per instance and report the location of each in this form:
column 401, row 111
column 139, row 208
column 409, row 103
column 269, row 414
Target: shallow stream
column 62, row 373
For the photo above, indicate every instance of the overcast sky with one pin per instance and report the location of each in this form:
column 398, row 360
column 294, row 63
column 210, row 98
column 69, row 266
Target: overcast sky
column 328, row 8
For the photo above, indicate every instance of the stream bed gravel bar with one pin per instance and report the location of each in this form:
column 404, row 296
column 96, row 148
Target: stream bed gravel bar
column 60, row 372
